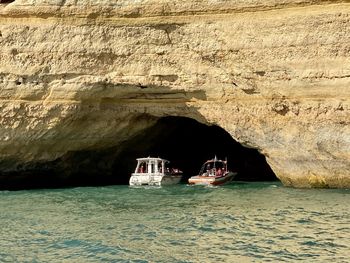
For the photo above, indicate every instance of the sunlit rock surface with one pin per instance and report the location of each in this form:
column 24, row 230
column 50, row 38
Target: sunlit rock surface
column 88, row 75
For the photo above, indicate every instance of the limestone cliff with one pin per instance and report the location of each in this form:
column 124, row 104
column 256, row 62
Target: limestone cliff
column 84, row 75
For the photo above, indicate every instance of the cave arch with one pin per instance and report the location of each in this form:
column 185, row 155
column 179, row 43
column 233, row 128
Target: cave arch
column 187, row 144
column 184, row 141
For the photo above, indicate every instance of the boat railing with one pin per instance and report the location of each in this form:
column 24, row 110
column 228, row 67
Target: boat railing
column 213, row 167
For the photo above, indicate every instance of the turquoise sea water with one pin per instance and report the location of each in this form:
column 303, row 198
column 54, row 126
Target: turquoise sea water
column 241, row 222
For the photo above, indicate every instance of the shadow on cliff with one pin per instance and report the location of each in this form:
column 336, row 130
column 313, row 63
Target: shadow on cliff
column 4, row 2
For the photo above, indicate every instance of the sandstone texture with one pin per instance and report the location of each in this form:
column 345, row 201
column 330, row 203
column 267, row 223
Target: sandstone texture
column 85, row 75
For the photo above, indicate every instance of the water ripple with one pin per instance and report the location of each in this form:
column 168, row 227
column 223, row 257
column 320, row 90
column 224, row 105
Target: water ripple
column 244, row 222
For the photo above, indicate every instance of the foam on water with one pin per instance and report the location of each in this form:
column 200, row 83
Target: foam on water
column 241, row 222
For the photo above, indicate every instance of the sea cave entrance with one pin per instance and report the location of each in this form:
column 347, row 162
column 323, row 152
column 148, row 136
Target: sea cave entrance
column 188, row 144
column 183, row 141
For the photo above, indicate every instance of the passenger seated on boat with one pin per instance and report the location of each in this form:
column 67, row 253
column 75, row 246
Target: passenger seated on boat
column 142, row 168
column 219, row 172
column 208, row 170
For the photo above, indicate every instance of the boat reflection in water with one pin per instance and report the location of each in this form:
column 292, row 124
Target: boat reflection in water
column 154, row 171
column 213, row 172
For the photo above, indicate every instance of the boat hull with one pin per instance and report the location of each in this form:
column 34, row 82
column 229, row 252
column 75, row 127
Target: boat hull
column 155, row 180
column 212, row 180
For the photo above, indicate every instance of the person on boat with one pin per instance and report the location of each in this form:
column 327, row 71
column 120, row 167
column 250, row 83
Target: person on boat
column 208, row 169
column 219, row 172
column 142, row 168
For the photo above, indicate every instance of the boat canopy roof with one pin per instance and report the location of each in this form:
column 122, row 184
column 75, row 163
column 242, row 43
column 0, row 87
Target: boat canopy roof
column 151, row 159
column 215, row 160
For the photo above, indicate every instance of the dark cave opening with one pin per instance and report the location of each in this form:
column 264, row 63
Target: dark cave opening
column 186, row 143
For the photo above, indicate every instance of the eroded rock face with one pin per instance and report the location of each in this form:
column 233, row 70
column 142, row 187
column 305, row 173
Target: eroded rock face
column 88, row 75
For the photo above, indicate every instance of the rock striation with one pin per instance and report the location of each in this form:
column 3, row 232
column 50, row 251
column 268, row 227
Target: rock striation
column 87, row 75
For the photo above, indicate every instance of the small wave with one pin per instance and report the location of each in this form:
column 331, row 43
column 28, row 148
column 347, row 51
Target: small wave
column 251, row 222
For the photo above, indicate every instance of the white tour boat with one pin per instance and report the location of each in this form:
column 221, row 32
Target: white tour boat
column 154, row 171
